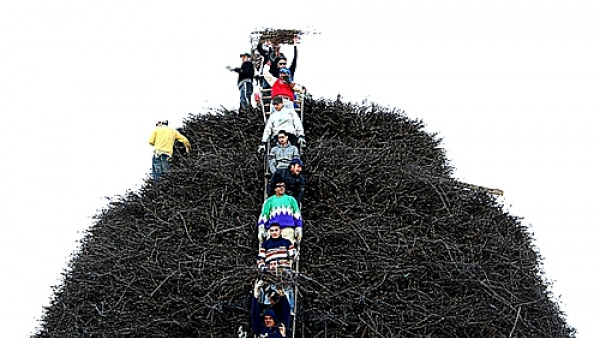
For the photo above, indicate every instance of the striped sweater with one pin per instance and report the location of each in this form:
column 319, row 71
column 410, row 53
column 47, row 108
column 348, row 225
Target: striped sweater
column 275, row 253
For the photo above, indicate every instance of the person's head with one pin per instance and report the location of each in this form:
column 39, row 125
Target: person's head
column 274, row 230
column 281, row 63
column 245, row 56
column 269, row 318
column 162, row 123
column 277, row 103
column 279, row 186
column 282, row 137
column 296, row 166
column 284, row 74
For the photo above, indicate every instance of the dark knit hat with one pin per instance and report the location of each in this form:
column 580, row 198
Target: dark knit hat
column 277, row 100
column 271, row 313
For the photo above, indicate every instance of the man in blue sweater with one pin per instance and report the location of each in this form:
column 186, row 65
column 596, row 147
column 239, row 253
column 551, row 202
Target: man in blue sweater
column 284, row 210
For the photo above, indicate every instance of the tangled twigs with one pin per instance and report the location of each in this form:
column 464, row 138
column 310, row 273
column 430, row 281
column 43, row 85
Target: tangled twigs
column 279, row 36
column 392, row 247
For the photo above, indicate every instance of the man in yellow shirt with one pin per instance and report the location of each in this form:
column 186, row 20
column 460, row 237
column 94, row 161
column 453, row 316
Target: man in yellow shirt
column 163, row 138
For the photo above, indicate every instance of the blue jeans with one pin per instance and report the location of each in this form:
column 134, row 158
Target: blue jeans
column 160, row 165
column 246, row 94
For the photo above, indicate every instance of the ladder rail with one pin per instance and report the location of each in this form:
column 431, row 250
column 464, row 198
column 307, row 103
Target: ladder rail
column 296, row 273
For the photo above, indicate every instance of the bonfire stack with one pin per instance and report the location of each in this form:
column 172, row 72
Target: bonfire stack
column 391, row 248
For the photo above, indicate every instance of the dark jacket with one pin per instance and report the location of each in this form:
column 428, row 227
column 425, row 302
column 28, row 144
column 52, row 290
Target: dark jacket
column 294, row 185
column 268, row 53
column 258, row 326
column 246, row 72
column 291, row 67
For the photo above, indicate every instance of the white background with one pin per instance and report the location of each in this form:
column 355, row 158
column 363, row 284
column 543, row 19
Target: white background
column 510, row 86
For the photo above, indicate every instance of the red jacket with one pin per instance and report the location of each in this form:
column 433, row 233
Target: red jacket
column 283, row 89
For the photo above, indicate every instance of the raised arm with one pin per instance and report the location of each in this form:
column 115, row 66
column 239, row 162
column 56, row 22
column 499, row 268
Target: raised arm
column 268, row 76
column 293, row 65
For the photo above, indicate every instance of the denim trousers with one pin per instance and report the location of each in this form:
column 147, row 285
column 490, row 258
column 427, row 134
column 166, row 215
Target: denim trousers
column 160, row 165
column 246, row 89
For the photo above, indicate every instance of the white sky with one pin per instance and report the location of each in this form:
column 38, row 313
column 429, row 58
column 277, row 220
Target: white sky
column 511, row 87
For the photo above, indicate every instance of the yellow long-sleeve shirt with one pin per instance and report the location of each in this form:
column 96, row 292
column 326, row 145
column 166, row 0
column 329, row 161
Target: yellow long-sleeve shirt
column 163, row 138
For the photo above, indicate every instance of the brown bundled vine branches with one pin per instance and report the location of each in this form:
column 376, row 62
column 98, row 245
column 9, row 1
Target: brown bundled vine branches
column 280, row 36
column 392, row 248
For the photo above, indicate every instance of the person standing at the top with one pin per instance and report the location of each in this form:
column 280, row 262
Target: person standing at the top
column 270, row 53
column 163, row 139
column 281, row 61
column 274, row 60
column 245, row 77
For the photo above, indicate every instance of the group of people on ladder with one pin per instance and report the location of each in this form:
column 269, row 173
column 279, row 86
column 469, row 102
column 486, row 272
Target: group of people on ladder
column 280, row 221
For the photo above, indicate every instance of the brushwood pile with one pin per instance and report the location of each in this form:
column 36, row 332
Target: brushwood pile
column 392, row 246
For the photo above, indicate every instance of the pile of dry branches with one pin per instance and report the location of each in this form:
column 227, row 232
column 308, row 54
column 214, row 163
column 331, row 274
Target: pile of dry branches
column 392, row 248
column 279, row 36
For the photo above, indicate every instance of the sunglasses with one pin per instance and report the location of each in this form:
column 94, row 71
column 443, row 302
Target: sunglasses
column 280, row 185
column 282, row 64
